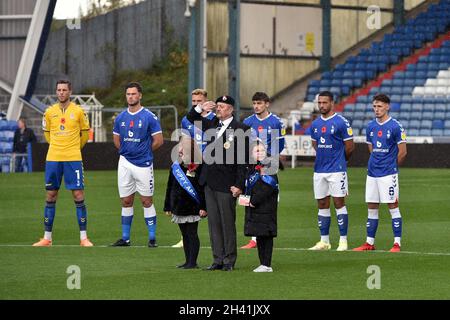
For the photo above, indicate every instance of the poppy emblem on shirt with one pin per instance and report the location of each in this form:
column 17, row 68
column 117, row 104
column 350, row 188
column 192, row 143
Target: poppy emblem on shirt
column 324, row 129
column 63, row 120
column 260, row 128
column 380, row 133
column 131, row 124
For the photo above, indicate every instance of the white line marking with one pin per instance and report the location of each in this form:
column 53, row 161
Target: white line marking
column 282, row 249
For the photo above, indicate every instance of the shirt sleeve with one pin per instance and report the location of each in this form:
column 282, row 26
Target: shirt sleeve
column 312, row 132
column 368, row 140
column 116, row 128
column 155, row 126
column 84, row 120
column 347, row 131
column 399, row 134
column 46, row 122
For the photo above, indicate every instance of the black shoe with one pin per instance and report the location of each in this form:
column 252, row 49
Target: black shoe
column 214, row 266
column 190, row 266
column 227, row 267
column 152, row 244
column 121, row 243
column 181, row 265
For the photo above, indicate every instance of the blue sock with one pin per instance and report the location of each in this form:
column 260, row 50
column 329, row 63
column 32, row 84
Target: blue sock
column 151, row 226
column 397, row 227
column 81, row 214
column 126, row 227
column 49, row 215
column 343, row 224
column 342, row 220
column 372, row 226
column 324, row 225
column 127, row 219
column 150, row 221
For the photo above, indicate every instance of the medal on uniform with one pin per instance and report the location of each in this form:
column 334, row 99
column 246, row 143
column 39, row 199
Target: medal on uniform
column 190, row 174
column 227, row 145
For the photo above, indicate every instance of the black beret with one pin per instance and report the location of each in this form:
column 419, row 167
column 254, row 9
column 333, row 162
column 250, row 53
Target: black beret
column 225, row 99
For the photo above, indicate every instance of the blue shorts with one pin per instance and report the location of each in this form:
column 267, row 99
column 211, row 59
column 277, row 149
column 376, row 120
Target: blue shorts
column 72, row 171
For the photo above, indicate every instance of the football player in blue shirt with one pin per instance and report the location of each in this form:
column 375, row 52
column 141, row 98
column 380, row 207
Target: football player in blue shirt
column 137, row 134
column 267, row 127
column 386, row 140
column 332, row 138
column 189, row 130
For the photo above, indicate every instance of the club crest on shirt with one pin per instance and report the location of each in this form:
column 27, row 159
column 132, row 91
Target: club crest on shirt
column 72, row 116
column 140, row 123
column 388, row 134
column 332, row 129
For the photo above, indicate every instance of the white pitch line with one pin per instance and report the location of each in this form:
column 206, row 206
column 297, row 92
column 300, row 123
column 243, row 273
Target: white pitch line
column 282, row 249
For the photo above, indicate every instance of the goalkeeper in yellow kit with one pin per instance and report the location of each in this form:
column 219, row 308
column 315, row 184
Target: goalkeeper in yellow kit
column 66, row 129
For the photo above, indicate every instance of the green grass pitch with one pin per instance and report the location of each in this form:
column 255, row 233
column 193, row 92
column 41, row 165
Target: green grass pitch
column 421, row 271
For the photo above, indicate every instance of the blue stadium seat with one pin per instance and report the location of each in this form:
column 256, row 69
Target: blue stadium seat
column 426, row 124
column 427, row 115
column 405, row 124
column 447, row 124
column 440, row 107
column 413, row 132
column 438, row 124
column 414, row 124
column 447, row 132
column 428, row 107
column 356, row 124
column 403, row 116
column 437, row 132
column 425, row 132
column 350, row 107
column 439, row 115
column 359, row 115
column 415, row 116
column 417, row 107
column 406, row 107
column 394, row 114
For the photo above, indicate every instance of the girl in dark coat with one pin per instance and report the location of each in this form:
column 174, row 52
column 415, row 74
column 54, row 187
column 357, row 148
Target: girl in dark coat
column 185, row 201
column 261, row 200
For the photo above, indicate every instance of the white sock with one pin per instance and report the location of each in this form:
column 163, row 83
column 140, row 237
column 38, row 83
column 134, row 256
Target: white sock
column 254, row 239
column 83, row 235
column 370, row 241
column 398, row 240
column 48, row 235
column 343, row 238
column 149, row 212
column 127, row 211
column 325, row 239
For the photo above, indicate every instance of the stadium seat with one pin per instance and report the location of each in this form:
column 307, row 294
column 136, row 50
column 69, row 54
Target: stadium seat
column 437, row 132
column 438, row 124
column 426, row 124
column 415, row 124
column 413, row 132
column 428, row 115
column 415, row 116
column 425, row 132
